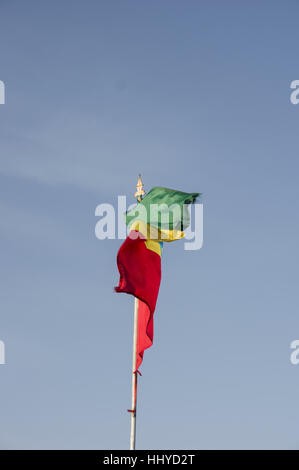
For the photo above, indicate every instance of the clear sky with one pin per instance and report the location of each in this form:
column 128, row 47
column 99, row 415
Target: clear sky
column 196, row 96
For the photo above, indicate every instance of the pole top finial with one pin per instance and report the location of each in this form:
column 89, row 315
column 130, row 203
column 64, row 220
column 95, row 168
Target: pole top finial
column 140, row 191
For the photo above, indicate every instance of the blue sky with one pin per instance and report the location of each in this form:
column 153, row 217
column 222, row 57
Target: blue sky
column 195, row 96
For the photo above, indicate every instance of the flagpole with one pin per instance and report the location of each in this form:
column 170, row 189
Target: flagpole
column 134, row 378
column 138, row 194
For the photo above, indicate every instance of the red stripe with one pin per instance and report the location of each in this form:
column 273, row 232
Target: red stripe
column 145, row 333
column 140, row 275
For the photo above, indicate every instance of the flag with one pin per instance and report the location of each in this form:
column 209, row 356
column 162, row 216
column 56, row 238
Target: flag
column 163, row 208
column 139, row 265
column 139, row 257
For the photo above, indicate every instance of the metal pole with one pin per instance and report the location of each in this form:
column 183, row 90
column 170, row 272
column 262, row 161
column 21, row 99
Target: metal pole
column 134, row 379
column 138, row 194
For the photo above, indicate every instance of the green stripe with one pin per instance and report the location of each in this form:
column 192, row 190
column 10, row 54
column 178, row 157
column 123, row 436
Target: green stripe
column 155, row 209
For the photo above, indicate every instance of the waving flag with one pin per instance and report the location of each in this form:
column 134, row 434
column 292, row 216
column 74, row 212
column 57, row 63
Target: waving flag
column 139, row 264
column 161, row 216
column 163, row 208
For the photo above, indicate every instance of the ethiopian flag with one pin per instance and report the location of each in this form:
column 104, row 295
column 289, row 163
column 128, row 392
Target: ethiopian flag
column 163, row 208
column 161, row 216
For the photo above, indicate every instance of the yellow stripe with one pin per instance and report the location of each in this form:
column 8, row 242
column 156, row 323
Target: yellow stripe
column 153, row 233
column 154, row 246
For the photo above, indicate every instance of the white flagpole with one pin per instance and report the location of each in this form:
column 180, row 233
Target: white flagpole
column 134, row 379
column 138, row 194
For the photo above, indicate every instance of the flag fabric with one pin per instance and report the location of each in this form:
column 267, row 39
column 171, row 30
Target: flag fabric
column 139, row 257
column 163, row 208
column 139, row 265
